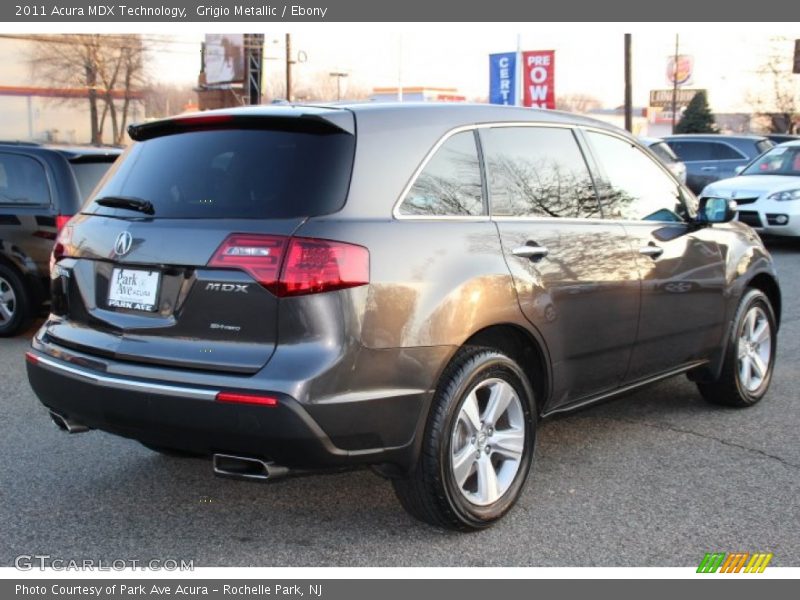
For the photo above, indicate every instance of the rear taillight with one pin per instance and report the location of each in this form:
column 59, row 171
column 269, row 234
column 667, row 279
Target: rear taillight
column 63, row 244
column 61, row 220
column 258, row 255
column 314, row 266
column 295, row 266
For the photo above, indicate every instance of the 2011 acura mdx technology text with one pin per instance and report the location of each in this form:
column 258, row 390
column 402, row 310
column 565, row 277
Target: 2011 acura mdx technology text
column 410, row 287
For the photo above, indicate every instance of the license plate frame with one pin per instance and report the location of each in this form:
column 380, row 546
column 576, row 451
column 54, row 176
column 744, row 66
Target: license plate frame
column 134, row 289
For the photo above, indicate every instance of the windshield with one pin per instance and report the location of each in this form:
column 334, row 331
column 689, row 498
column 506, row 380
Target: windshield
column 233, row 174
column 781, row 160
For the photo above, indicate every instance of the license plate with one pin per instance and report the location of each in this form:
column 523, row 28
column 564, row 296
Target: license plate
column 133, row 289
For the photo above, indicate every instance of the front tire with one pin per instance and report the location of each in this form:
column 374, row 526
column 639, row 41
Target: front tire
column 478, row 444
column 749, row 356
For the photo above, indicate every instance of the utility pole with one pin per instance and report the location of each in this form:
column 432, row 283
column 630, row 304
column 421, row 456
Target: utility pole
column 289, row 62
column 628, row 86
column 675, row 83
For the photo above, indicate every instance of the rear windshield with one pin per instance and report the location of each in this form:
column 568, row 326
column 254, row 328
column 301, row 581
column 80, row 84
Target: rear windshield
column 88, row 174
column 664, row 152
column 234, row 174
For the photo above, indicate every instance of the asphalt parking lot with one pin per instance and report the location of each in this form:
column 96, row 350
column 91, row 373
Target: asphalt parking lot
column 657, row 478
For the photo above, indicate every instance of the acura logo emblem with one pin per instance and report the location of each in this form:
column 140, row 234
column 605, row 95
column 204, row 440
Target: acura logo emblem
column 123, row 244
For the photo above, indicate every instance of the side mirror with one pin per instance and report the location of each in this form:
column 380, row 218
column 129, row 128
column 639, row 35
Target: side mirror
column 716, row 210
column 738, row 170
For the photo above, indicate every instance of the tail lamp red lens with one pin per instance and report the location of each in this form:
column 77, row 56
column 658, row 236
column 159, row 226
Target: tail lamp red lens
column 236, row 398
column 295, row 266
column 62, row 220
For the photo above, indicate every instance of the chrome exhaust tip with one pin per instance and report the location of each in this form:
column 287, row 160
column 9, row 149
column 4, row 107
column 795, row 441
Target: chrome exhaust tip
column 67, row 424
column 250, row 469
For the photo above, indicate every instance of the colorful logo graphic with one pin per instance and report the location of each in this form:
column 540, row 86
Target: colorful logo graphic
column 734, row 562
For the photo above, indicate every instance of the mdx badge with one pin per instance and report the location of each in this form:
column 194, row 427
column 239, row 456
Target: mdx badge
column 123, row 243
column 227, row 287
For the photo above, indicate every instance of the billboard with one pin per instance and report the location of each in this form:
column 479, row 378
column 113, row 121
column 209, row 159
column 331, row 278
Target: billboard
column 503, row 78
column 538, row 79
column 223, row 59
column 663, row 98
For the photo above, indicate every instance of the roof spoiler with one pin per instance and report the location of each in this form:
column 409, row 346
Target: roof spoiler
column 328, row 122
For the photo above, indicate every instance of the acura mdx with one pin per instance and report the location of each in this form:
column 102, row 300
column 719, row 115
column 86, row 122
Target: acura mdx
column 409, row 287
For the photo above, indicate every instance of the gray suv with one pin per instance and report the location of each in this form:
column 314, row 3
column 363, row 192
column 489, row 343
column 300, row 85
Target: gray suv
column 410, row 287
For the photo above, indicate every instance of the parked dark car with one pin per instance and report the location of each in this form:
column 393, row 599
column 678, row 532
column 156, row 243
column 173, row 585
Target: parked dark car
column 780, row 138
column 409, row 287
column 709, row 158
column 41, row 187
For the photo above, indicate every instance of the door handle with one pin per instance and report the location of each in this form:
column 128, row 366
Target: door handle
column 708, row 168
column 651, row 251
column 531, row 252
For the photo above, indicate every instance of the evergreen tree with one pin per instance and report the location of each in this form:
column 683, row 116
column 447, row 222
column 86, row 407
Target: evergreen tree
column 697, row 117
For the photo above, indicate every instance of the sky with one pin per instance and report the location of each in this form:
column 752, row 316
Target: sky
column 589, row 57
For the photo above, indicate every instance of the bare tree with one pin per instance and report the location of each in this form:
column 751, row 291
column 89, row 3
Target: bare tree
column 110, row 67
column 313, row 86
column 167, row 99
column 778, row 90
column 577, row 103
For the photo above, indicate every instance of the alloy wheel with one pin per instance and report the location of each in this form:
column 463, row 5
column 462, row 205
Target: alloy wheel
column 488, row 441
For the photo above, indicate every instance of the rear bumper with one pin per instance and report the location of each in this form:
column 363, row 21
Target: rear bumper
column 187, row 417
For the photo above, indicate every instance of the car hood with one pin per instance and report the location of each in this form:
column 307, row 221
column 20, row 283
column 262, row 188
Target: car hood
column 751, row 186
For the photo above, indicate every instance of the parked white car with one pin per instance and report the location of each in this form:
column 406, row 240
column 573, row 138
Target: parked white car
column 767, row 191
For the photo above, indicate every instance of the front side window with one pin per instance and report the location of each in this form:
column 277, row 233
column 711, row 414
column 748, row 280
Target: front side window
column 22, row 180
column 634, row 186
column 689, row 151
column 450, row 184
column 537, row 172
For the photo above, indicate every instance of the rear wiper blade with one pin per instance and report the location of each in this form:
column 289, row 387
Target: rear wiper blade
column 129, row 202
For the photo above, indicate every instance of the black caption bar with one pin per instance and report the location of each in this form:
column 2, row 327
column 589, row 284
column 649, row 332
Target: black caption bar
column 41, row 11
column 343, row 589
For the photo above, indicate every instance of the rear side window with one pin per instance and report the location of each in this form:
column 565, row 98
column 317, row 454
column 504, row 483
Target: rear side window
column 450, row 184
column 537, row 172
column 22, row 181
column 690, row 150
column 634, row 186
column 234, row 174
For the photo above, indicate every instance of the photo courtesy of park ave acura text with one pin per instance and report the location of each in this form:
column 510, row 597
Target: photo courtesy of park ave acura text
column 326, row 294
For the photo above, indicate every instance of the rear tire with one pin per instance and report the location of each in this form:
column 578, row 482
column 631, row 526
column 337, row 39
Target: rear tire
column 15, row 310
column 478, row 444
column 749, row 356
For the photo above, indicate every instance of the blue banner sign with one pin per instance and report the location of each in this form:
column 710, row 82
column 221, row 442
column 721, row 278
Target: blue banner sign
column 503, row 78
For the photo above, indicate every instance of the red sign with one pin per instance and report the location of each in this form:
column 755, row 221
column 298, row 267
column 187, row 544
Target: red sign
column 539, row 79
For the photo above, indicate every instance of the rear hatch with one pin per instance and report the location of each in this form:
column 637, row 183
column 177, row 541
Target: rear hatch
column 176, row 258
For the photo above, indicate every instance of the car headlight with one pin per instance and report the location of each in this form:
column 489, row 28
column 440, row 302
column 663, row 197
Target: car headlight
column 785, row 196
